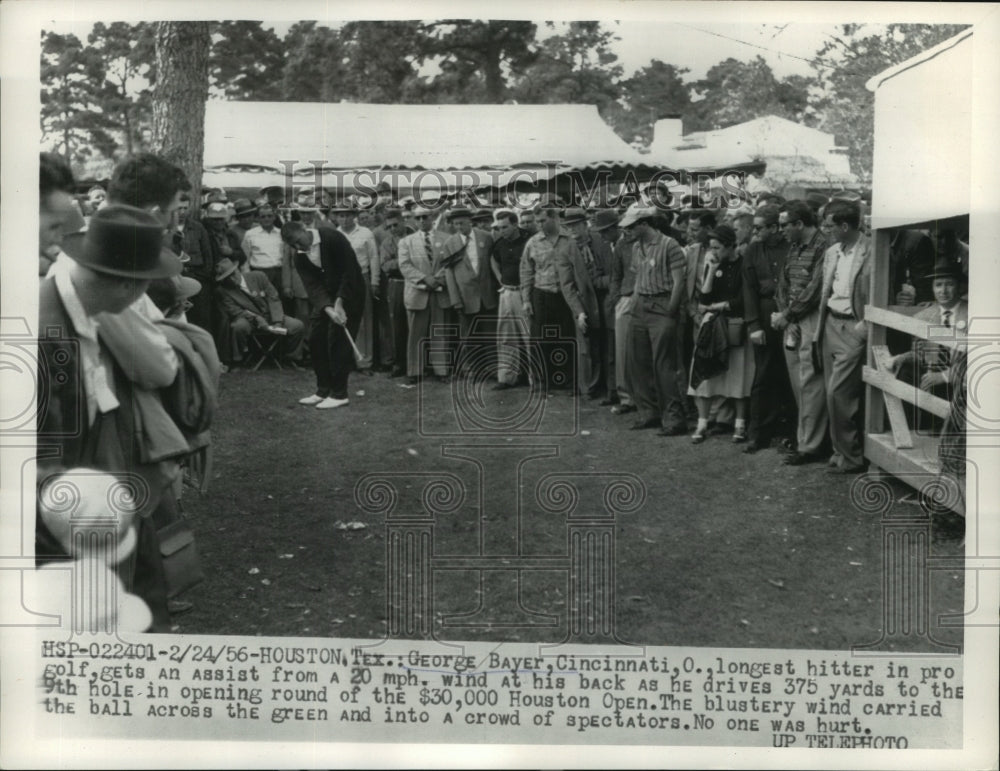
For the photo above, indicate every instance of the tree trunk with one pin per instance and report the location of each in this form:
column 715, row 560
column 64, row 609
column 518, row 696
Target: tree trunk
column 180, row 94
column 494, row 78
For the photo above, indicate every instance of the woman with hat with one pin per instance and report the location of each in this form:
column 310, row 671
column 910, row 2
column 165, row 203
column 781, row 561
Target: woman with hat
column 719, row 298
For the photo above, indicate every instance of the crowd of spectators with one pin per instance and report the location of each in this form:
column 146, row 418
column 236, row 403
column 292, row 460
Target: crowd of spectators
column 743, row 319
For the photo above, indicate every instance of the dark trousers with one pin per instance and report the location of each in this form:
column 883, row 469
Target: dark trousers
column 654, row 351
column 383, row 327
column 201, row 311
column 771, row 399
column 274, row 276
column 332, row 356
column 553, row 330
column 398, row 324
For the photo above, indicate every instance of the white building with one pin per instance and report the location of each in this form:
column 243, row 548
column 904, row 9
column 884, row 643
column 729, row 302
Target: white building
column 796, row 155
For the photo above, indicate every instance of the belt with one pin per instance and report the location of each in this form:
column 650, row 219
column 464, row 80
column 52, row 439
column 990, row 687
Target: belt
column 516, row 287
column 841, row 316
column 657, row 294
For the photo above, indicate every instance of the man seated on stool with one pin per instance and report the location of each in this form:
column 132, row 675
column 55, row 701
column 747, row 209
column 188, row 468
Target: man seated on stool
column 252, row 304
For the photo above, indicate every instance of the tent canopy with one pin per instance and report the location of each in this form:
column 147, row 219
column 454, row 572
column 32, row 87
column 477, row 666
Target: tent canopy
column 271, row 135
column 922, row 165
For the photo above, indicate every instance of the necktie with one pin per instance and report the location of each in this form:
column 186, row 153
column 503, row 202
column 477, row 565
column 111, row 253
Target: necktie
column 178, row 242
column 947, row 318
column 427, row 246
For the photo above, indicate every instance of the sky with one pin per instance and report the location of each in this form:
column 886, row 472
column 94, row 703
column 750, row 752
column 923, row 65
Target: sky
column 697, row 45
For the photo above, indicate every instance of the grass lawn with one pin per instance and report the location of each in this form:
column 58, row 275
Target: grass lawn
column 729, row 550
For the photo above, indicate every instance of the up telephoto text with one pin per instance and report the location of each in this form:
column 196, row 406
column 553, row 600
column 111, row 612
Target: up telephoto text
column 824, row 701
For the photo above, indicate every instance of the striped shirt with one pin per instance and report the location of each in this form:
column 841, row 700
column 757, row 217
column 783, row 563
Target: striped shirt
column 801, row 280
column 654, row 264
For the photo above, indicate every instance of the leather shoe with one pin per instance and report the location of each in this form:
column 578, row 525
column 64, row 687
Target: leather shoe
column 639, row 425
column 179, row 607
column 623, row 409
column 609, row 401
column 672, row 431
column 801, row 458
column 753, row 447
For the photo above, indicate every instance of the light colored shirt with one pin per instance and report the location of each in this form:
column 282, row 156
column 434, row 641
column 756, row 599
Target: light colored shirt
column 366, row 250
column 840, row 298
column 97, row 384
column 263, row 249
column 314, row 257
column 538, row 265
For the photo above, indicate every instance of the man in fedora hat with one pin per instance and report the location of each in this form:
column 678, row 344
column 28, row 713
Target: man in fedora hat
column 337, row 296
column 471, row 286
column 246, row 213
column 87, row 399
column 933, row 363
column 425, row 295
column 252, row 304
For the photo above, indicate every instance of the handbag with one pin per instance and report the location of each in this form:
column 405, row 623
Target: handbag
column 735, row 332
column 179, row 552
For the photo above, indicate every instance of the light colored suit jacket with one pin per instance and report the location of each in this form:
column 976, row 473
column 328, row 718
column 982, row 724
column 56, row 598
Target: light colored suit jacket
column 858, row 280
column 416, row 266
column 474, row 290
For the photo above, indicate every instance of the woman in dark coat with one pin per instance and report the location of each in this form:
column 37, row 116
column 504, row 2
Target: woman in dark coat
column 719, row 294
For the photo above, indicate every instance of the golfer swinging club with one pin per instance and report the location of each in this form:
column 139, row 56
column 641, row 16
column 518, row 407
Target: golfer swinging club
column 336, row 289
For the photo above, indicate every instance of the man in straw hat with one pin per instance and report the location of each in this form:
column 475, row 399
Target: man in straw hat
column 87, row 403
column 337, row 296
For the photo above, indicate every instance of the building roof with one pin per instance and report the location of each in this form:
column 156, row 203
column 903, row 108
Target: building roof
column 372, row 136
column 804, row 171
